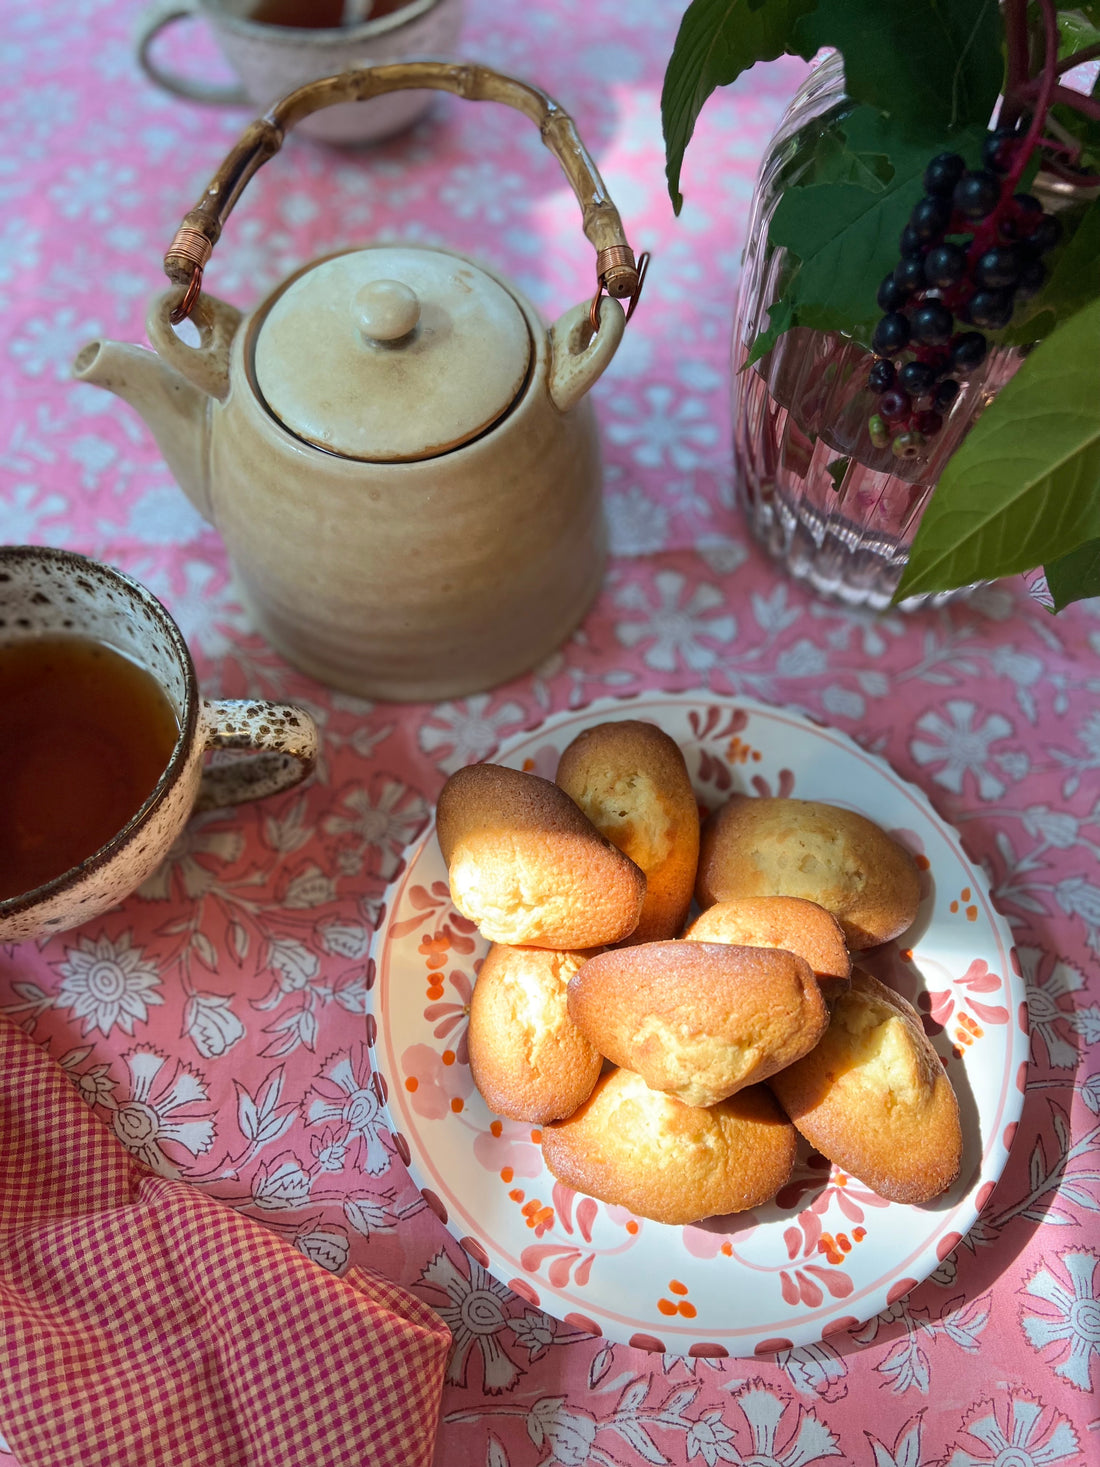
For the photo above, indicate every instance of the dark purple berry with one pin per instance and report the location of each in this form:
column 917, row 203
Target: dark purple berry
column 944, row 266
column 1033, row 276
column 910, row 243
column 930, row 217
column 894, row 404
column 931, row 324
column 929, row 423
column 995, row 269
column 968, row 351
column 909, row 274
column 977, row 194
column 1047, row 233
column 881, row 376
column 918, row 378
column 1021, row 217
column 991, row 309
column 999, row 149
column 946, row 393
column 891, row 335
column 890, row 295
column 943, row 173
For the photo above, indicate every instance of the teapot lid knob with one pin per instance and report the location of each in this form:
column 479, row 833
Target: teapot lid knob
column 387, row 310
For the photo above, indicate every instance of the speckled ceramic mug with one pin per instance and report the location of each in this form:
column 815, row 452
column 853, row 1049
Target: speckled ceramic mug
column 47, row 592
column 272, row 60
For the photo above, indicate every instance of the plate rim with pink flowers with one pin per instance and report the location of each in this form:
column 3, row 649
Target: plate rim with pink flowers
column 826, row 1255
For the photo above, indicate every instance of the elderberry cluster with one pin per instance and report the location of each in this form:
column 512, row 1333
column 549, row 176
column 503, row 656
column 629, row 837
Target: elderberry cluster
column 971, row 250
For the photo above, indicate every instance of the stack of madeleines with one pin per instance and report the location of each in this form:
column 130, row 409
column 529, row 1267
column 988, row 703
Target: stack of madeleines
column 672, row 1062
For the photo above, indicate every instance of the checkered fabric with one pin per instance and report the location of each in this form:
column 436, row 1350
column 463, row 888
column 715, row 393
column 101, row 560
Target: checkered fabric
column 142, row 1322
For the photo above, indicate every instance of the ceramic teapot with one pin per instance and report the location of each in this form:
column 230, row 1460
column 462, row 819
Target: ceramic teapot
column 397, row 451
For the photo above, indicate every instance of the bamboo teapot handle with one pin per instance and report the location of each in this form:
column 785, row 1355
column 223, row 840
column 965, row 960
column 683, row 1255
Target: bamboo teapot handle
column 618, row 274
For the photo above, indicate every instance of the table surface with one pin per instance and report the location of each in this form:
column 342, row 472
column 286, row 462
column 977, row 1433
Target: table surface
column 216, row 1019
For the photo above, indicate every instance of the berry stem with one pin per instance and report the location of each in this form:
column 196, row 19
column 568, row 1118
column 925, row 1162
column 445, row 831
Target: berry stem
column 1086, row 53
column 1017, row 67
column 1044, row 91
column 1087, row 106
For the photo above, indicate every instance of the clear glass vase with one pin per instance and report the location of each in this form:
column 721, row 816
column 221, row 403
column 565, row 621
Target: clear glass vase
column 837, row 512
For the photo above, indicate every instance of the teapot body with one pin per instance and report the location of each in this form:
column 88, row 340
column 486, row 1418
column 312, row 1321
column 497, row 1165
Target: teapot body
column 416, row 580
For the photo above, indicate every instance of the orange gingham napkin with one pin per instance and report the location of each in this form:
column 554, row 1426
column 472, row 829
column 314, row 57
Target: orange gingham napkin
column 142, row 1322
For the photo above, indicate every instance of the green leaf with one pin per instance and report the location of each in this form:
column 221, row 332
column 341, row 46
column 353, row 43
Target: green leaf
column 1075, row 32
column 780, row 319
column 1074, row 281
column 930, row 65
column 1023, row 488
column 1075, row 576
column 716, row 42
column 846, row 237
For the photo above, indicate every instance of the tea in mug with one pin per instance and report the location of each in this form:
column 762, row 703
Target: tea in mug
column 84, row 736
column 317, row 14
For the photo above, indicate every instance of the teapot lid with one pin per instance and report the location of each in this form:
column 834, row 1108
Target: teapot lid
column 392, row 354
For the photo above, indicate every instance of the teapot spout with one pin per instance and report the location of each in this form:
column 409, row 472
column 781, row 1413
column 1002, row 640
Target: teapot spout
column 175, row 410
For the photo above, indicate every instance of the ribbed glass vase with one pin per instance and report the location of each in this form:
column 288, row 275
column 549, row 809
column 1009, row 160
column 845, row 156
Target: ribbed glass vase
column 835, row 511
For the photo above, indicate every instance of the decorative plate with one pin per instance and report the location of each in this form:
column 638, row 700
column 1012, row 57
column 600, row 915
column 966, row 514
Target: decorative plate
column 826, row 1254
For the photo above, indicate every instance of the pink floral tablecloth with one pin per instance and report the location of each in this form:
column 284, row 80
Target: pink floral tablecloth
column 217, row 1019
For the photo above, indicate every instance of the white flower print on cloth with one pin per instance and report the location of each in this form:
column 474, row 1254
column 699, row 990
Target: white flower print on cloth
column 469, row 732
column 148, row 1120
column 1075, row 1323
column 710, row 1438
column 768, row 1417
column 382, row 817
column 678, row 626
column 475, row 1315
column 1078, row 897
column 222, row 842
column 344, row 1095
column 1031, row 1437
column 105, row 983
column 962, row 747
column 1048, row 980
column 666, row 431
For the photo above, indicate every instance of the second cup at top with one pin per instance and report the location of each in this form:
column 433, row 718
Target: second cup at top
column 276, row 46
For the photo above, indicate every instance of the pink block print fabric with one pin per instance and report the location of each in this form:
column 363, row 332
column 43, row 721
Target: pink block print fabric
column 215, row 1024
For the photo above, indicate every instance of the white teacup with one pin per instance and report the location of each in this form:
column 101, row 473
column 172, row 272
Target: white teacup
column 272, row 60
column 47, row 593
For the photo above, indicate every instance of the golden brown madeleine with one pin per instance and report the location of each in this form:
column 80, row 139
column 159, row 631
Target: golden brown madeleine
column 675, row 1163
column 528, row 1059
column 698, row 1020
column 874, row 1098
column 793, row 923
column 529, row 867
column 630, row 779
column 802, row 848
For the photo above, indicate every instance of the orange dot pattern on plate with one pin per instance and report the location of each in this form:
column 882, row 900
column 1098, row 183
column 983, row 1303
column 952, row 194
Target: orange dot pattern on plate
column 965, row 902
column 835, row 1249
column 739, row 752
column 967, row 1031
column 534, row 1213
column 680, row 1304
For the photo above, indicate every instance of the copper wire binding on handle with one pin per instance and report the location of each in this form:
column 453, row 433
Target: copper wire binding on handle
column 190, row 249
column 617, row 275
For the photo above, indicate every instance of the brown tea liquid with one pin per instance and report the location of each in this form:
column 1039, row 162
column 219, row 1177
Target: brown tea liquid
column 314, row 15
column 84, row 736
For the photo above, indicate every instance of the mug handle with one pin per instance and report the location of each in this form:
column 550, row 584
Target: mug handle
column 156, row 19
column 282, row 741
